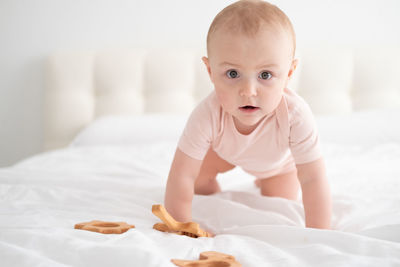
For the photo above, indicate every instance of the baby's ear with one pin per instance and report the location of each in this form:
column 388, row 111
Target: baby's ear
column 207, row 63
column 293, row 67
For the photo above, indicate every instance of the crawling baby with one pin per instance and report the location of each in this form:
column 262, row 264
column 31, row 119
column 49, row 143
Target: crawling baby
column 251, row 119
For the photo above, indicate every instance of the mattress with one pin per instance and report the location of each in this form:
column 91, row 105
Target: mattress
column 116, row 169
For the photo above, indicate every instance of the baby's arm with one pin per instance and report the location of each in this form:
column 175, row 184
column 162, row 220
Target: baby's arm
column 180, row 186
column 316, row 194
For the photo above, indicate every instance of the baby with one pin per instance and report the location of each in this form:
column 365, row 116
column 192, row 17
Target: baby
column 251, row 119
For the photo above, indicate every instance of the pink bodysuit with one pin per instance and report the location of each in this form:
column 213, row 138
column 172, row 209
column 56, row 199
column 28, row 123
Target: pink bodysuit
column 285, row 137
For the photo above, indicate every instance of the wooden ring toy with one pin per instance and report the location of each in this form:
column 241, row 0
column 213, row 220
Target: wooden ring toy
column 105, row 227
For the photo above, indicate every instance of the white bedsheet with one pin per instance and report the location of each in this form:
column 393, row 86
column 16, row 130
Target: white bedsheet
column 43, row 197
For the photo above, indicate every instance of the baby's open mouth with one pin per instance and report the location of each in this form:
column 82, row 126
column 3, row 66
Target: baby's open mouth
column 248, row 107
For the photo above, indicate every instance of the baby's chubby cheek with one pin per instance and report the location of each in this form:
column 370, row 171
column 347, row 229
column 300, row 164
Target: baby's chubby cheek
column 226, row 99
column 271, row 101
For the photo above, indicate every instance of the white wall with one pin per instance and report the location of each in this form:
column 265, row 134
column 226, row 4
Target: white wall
column 31, row 30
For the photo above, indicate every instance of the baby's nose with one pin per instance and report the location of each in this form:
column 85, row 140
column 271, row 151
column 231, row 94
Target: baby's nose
column 248, row 88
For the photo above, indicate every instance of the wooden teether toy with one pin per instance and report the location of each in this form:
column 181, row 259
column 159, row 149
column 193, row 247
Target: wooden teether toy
column 191, row 229
column 209, row 259
column 105, row 227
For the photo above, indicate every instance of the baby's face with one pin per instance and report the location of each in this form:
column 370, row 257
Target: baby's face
column 249, row 74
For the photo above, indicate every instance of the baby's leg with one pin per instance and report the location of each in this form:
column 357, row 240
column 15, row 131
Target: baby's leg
column 284, row 185
column 206, row 183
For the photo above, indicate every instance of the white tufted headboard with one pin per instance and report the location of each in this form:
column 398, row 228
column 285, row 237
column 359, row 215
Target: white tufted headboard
column 81, row 86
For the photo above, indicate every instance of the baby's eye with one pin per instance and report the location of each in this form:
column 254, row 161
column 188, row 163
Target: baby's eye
column 232, row 74
column 265, row 75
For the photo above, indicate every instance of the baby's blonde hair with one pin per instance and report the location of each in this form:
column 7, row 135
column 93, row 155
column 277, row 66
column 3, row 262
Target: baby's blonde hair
column 247, row 16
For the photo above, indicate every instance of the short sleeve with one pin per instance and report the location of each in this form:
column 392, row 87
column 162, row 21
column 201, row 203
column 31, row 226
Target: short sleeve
column 303, row 138
column 197, row 135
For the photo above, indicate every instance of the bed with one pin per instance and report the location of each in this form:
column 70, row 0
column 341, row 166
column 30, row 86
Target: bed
column 111, row 131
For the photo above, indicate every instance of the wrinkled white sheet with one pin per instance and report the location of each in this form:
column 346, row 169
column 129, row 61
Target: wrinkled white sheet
column 43, row 197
